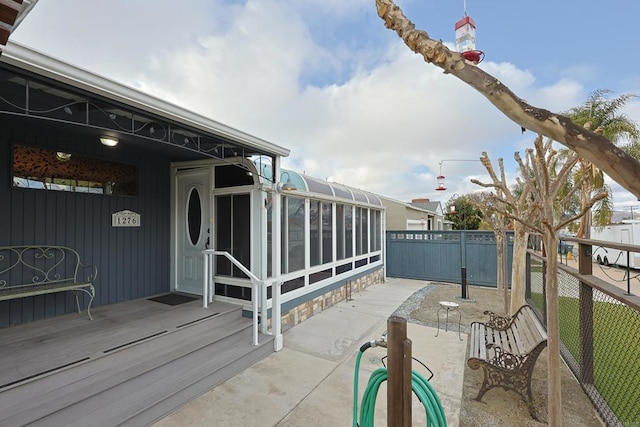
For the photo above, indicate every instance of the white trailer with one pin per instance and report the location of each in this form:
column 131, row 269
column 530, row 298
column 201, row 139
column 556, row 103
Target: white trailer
column 628, row 232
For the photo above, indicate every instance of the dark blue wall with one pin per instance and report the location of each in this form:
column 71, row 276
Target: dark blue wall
column 133, row 262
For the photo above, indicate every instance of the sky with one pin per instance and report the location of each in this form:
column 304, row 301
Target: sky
column 327, row 80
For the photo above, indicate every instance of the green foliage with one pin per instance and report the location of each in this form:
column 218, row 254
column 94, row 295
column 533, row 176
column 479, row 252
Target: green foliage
column 604, row 113
column 465, row 215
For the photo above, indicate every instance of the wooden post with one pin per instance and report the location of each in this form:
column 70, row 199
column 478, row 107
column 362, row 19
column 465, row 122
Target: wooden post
column 398, row 386
column 585, row 267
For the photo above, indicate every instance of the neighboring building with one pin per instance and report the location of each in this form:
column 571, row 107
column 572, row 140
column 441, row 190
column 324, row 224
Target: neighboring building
column 195, row 184
column 420, row 214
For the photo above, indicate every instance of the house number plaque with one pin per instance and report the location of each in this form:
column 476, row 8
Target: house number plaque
column 125, row 219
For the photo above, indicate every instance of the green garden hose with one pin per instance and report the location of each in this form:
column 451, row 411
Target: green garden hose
column 420, row 386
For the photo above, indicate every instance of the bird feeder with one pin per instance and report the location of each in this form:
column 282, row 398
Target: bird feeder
column 466, row 39
column 440, row 180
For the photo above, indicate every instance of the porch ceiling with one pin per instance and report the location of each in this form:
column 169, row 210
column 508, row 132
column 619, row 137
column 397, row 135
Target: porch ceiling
column 42, row 87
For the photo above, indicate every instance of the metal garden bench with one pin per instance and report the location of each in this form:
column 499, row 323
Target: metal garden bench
column 27, row 271
column 506, row 348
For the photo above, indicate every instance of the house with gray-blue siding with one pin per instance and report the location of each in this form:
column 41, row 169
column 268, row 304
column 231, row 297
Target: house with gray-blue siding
column 140, row 187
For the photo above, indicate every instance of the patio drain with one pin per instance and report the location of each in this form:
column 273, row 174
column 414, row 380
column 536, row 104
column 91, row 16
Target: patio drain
column 134, row 342
column 48, row 371
column 197, row 320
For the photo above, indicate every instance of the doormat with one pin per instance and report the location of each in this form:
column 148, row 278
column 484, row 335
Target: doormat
column 172, row 299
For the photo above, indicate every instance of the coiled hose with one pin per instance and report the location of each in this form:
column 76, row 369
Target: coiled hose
column 419, row 385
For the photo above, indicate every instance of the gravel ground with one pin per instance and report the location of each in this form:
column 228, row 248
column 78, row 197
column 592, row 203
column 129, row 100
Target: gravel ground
column 498, row 407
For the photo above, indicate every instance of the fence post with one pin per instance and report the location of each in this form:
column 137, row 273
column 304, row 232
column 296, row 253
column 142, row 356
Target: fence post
column 463, row 266
column 585, row 267
column 398, row 376
column 527, row 283
column 544, row 292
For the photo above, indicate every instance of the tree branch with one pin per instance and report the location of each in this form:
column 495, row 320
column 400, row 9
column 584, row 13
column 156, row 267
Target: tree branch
column 615, row 162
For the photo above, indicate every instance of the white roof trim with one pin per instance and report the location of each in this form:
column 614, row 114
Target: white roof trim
column 39, row 63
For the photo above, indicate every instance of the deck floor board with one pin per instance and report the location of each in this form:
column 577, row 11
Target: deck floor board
column 136, row 383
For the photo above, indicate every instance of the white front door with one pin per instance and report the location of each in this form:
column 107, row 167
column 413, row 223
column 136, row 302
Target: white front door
column 193, row 228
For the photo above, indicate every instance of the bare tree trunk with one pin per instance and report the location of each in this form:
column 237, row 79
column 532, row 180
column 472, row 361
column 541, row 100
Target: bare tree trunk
column 499, row 258
column 505, row 274
column 553, row 333
column 518, row 268
column 584, row 230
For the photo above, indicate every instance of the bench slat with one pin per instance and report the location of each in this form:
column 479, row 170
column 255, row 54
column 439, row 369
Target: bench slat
column 524, row 336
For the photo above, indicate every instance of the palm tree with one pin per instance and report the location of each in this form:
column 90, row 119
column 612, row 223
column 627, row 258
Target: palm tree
column 603, row 115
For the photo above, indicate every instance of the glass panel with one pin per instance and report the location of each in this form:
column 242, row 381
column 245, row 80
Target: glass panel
column 359, row 195
column 348, row 235
column 269, row 207
column 50, row 170
column 361, row 262
column 223, row 234
column 343, row 268
column 292, row 285
column 231, row 176
column 373, row 232
column 241, row 229
column 295, row 234
column 358, row 231
column 314, row 232
column 340, row 232
column 341, row 192
column 194, row 216
column 379, row 236
column 374, row 200
column 287, row 175
column 320, row 275
column 327, row 233
column 318, row 186
column 365, row 230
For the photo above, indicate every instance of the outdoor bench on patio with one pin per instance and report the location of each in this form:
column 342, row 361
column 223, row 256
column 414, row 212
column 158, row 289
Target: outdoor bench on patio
column 27, row 271
column 507, row 349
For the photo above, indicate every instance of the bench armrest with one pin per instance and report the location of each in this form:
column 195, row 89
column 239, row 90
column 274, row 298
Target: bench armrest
column 505, row 359
column 499, row 323
column 86, row 273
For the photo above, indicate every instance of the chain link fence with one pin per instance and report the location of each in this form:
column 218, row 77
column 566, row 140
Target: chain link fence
column 600, row 338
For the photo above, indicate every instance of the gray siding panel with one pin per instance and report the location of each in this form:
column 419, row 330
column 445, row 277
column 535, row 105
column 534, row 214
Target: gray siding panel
column 132, row 262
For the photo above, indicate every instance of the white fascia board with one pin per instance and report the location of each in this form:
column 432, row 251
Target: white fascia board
column 31, row 60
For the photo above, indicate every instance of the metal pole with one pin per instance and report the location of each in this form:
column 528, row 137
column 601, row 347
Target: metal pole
column 628, row 275
column 205, row 290
column 463, row 281
column 254, row 298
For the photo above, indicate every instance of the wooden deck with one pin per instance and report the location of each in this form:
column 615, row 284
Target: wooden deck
column 133, row 364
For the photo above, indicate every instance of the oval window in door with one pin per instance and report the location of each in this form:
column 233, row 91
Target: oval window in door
column 194, row 216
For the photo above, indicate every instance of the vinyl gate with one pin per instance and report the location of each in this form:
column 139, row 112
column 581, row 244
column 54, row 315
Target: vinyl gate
column 441, row 256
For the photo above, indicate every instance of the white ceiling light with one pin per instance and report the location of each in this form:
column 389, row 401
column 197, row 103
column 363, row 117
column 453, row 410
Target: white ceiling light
column 109, row 141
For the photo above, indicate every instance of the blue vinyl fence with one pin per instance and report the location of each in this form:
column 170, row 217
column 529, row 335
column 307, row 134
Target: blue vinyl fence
column 441, row 255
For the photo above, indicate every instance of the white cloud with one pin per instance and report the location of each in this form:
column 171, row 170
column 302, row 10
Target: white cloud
column 384, row 126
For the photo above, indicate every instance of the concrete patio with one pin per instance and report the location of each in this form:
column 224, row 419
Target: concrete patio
column 310, row 382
